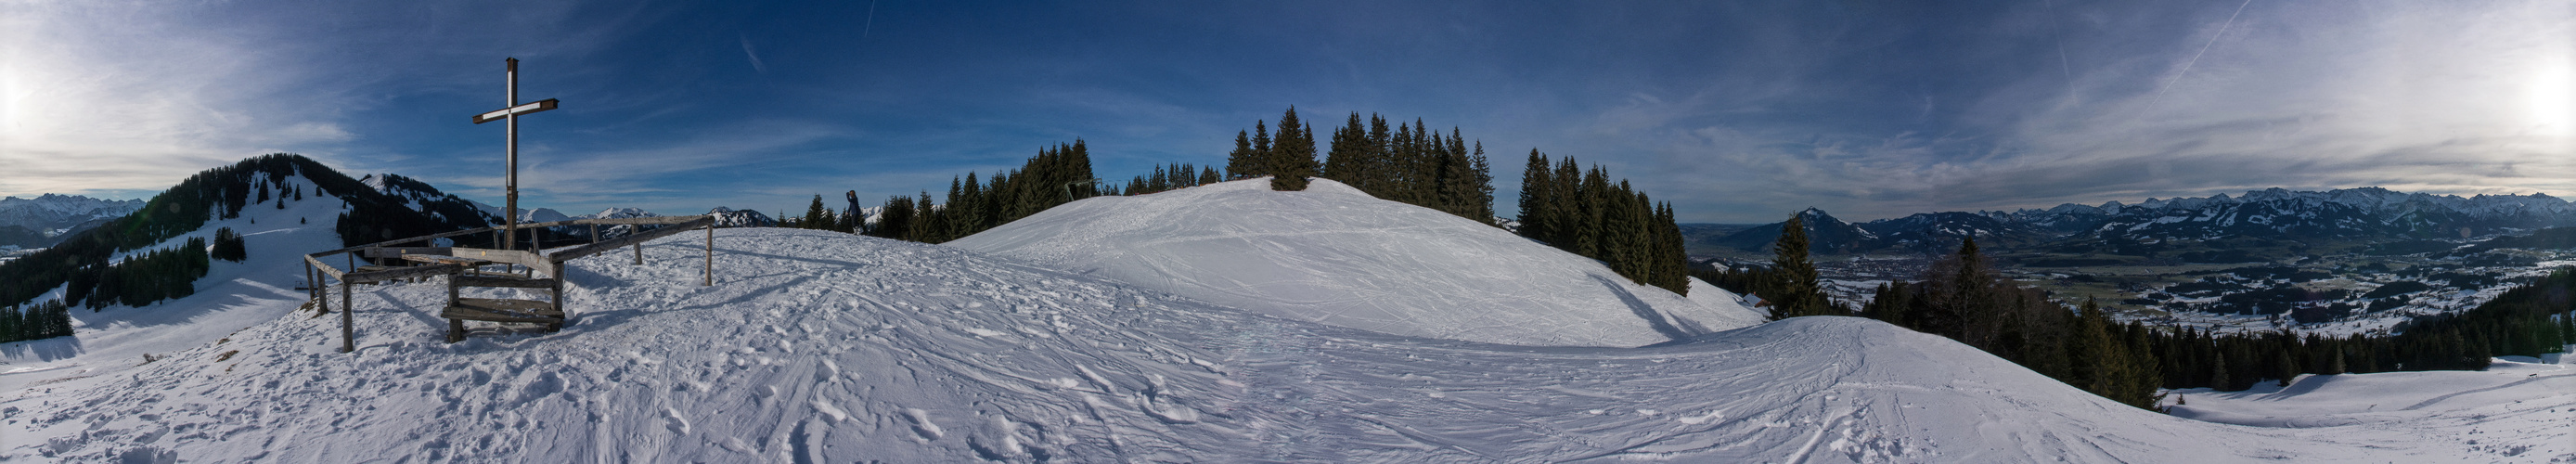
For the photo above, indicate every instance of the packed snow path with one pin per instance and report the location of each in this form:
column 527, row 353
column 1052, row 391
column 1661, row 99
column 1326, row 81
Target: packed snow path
column 1335, row 255
column 821, row 347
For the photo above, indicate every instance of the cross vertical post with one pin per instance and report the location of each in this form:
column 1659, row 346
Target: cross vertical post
column 509, row 113
column 510, row 223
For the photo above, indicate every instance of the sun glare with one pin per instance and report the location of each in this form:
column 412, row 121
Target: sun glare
column 2552, row 99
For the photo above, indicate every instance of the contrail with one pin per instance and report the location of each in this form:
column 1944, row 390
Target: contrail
column 872, row 22
column 2063, row 67
column 2195, row 58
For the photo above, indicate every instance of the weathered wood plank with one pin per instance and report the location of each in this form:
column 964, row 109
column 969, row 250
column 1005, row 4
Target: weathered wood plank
column 399, row 273
column 503, row 282
column 326, row 269
column 445, row 259
column 631, row 239
column 471, row 314
column 509, row 305
column 518, row 257
column 660, row 220
column 502, row 310
column 397, row 252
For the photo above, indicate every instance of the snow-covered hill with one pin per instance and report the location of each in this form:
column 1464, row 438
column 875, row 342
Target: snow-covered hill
column 1335, row 255
column 822, row 347
column 230, row 297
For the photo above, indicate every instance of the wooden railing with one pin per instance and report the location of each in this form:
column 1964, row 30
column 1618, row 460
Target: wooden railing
column 551, row 264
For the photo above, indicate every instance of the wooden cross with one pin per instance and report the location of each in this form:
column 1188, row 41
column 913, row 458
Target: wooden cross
column 510, row 113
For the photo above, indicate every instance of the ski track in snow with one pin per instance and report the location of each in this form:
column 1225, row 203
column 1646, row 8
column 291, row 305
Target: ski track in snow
column 819, row 347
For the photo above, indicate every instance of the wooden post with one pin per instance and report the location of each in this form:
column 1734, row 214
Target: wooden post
column 711, row 254
column 455, row 327
column 321, row 294
column 639, row 253
column 594, row 232
column 559, row 296
column 348, row 336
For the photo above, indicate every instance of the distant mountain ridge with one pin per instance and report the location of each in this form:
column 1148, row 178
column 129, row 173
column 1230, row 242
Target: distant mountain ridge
column 2367, row 213
column 39, row 222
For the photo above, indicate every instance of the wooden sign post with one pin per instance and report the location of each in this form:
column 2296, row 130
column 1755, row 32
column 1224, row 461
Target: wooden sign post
column 510, row 113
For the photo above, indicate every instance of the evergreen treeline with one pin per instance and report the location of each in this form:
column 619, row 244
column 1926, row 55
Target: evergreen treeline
column 228, row 246
column 1961, row 297
column 1413, row 165
column 1168, row 178
column 2517, row 323
column 1057, row 175
column 375, row 217
column 141, row 279
column 1583, row 213
column 44, row 320
column 1289, row 159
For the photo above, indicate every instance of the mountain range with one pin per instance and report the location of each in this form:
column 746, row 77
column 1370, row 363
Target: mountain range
column 2369, row 214
column 39, row 222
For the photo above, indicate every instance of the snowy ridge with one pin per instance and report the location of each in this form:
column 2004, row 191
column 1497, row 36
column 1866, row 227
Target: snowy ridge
column 1334, row 255
column 823, row 347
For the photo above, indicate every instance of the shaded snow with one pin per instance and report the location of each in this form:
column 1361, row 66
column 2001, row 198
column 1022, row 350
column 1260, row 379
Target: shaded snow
column 1335, row 255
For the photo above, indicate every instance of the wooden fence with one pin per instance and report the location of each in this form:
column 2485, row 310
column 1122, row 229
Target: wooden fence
column 551, row 264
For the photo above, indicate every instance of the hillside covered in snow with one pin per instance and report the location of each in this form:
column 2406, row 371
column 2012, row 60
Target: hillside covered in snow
column 823, row 347
column 815, row 346
column 1335, row 255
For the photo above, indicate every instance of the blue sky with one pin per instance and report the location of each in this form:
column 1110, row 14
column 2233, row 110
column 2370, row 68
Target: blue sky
column 1734, row 111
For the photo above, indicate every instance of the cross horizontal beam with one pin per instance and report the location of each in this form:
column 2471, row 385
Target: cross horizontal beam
column 530, row 107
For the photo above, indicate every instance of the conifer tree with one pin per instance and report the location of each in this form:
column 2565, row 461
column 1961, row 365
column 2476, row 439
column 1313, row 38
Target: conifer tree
column 1292, row 159
column 1344, row 160
column 1799, row 290
column 815, row 215
column 1535, row 204
column 1238, row 163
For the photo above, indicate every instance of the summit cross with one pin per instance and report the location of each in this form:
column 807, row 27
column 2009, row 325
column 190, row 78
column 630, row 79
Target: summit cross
column 510, row 113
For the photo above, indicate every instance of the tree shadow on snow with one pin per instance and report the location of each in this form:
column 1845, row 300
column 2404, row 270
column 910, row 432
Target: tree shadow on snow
column 46, row 350
column 1645, row 311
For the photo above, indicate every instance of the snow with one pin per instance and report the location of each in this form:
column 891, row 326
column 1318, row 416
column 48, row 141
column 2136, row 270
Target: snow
column 1335, row 255
column 822, row 347
column 231, row 296
column 2518, row 409
column 1725, row 309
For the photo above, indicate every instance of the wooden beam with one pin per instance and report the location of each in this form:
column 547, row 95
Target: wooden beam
column 326, row 269
column 400, row 272
column 397, row 252
column 637, row 238
column 521, row 257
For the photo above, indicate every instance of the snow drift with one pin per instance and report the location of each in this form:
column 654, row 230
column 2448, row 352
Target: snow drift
column 821, row 347
column 1335, row 255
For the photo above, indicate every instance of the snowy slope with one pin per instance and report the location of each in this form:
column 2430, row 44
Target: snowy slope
column 230, row 297
column 821, row 347
column 1723, row 306
column 2500, row 398
column 1334, row 255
